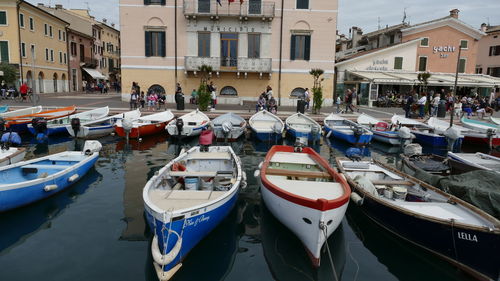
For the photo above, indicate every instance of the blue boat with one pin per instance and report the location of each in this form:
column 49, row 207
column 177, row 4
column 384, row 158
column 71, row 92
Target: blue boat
column 29, row 181
column 266, row 126
column 4, row 108
column 347, row 130
column 182, row 206
column 299, row 125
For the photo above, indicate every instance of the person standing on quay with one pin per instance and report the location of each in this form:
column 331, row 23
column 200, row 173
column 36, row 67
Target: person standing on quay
column 307, row 98
column 348, row 101
column 435, row 104
column 421, row 105
column 133, row 99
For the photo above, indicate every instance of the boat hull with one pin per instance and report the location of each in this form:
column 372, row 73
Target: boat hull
column 267, row 136
column 55, row 130
column 29, row 193
column 471, row 139
column 291, row 215
column 91, row 132
column 142, row 131
column 472, row 246
column 298, row 134
column 235, row 134
column 389, row 137
column 350, row 138
column 14, row 158
column 187, row 131
column 435, row 140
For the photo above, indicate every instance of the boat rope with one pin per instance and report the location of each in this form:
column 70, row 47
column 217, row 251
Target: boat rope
column 453, row 237
column 324, row 229
column 165, row 243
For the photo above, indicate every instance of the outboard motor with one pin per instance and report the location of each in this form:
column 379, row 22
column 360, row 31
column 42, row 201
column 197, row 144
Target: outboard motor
column 358, row 132
column 490, row 133
column 452, row 135
column 227, row 127
column 179, row 123
column 40, row 127
column 2, row 125
column 404, row 134
column 10, row 139
column 75, row 125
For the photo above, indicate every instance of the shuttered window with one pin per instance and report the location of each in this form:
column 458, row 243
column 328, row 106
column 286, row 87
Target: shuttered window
column 300, row 47
column 461, row 65
column 154, row 2
column 398, row 63
column 422, row 63
column 464, row 44
column 204, row 44
column 155, row 44
column 495, row 50
column 21, row 20
column 3, row 18
column 302, row 4
column 254, row 46
column 4, row 51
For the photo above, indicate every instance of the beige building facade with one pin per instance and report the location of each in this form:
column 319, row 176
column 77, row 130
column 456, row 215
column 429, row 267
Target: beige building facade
column 249, row 46
column 110, row 44
column 488, row 58
column 36, row 45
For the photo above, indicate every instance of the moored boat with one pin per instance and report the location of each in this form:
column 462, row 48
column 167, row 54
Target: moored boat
column 229, row 126
column 412, row 210
column 188, row 125
column 4, row 108
column 266, row 126
column 22, row 112
column 479, row 160
column 383, row 132
column 305, row 194
column 58, row 126
column 495, row 120
column 20, row 123
column 143, row 126
column 433, row 164
column 29, row 181
column 100, row 127
column 480, row 126
column 347, row 130
column 11, row 155
column 300, row 125
column 186, row 200
column 470, row 135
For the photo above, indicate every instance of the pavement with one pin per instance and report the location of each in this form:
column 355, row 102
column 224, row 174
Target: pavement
column 86, row 101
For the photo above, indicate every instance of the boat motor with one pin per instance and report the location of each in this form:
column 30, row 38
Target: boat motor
column 10, row 139
column 227, row 127
column 358, row 132
column 179, row 123
column 39, row 124
column 354, row 153
column 404, row 134
column 2, row 125
column 75, row 125
column 452, row 134
column 490, row 133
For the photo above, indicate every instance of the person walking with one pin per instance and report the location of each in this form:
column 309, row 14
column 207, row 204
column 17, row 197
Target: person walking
column 408, row 105
column 421, row 105
column 142, row 99
column 338, row 102
column 133, row 100
column 435, row 104
column 213, row 94
column 348, row 101
column 24, row 91
column 307, row 98
column 355, row 99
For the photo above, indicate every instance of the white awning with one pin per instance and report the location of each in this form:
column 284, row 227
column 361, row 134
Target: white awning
column 94, row 73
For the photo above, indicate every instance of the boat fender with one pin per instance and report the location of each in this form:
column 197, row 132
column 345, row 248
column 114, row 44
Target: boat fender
column 329, row 134
column 356, row 199
column 166, row 275
column 256, row 174
column 73, row 178
column 260, row 165
column 50, row 187
column 404, row 133
column 243, row 184
column 452, row 133
column 161, row 259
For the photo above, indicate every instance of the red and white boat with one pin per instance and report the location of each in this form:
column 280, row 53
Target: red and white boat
column 144, row 126
column 302, row 191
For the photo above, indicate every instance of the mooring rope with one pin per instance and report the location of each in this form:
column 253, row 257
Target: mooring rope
column 324, row 229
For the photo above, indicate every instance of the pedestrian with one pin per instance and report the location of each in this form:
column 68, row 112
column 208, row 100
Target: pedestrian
column 355, row 99
column 348, row 101
column 338, row 102
column 307, row 98
column 161, row 100
column 194, row 97
column 435, row 104
column 421, row 105
column 272, row 105
column 142, row 99
column 408, row 105
column 213, row 96
column 261, row 103
column 269, row 92
column 3, row 88
column 178, row 94
column 457, row 108
column 133, row 100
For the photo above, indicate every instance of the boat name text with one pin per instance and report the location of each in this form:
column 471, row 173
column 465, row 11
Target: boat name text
column 195, row 221
column 467, row 236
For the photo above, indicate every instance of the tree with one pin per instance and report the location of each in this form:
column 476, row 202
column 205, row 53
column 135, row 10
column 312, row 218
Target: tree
column 203, row 93
column 423, row 77
column 9, row 73
column 317, row 89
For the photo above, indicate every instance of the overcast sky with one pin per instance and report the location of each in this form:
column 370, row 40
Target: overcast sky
column 361, row 13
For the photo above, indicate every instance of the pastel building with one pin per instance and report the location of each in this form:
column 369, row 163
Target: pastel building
column 488, row 59
column 34, row 41
column 249, row 45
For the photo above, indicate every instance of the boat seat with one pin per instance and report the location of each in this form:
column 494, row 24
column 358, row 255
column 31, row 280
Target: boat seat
column 181, row 199
column 300, row 174
column 203, row 174
column 32, row 167
column 392, row 182
column 210, row 156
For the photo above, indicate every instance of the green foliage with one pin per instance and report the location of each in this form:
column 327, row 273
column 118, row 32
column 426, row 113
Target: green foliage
column 317, row 89
column 203, row 93
column 9, row 73
column 423, row 77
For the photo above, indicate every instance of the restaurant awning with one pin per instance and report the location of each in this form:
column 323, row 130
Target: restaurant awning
column 94, row 73
column 436, row 79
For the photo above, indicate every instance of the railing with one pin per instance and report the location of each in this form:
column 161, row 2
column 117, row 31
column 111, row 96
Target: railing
column 212, row 8
column 230, row 64
column 90, row 62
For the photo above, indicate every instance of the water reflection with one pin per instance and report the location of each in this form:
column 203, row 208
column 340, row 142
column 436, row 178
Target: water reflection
column 143, row 144
column 341, row 147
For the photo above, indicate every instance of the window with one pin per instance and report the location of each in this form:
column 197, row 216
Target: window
column 32, row 50
column 203, row 6
column 302, row 4
column 50, row 31
column 254, row 46
column 73, row 49
column 391, row 39
column 461, row 65
column 46, row 54
column 111, row 64
column 21, row 20
column 60, row 57
column 398, row 63
column 3, row 18
column 495, row 50
column 46, row 29
column 464, row 44
column 479, row 70
column 422, row 63
column 64, row 36
column 204, row 44
column 32, row 24
column 52, row 55
column 300, row 47
column 60, row 34
column 4, row 51
column 493, row 71
column 23, row 50
column 298, row 93
column 424, row 42
column 65, row 58
column 228, row 91
column 155, row 43
column 82, row 52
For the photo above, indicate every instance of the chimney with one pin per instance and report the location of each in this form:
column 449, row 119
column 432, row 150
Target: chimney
column 113, row 25
column 454, row 13
column 484, row 27
column 104, row 20
column 59, row 6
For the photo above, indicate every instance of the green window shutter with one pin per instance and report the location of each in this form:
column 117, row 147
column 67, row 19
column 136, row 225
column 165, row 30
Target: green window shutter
column 163, row 45
column 424, row 42
column 307, row 47
column 398, row 63
column 464, row 44
column 163, row 2
column 148, row 43
column 3, row 17
column 4, row 51
column 292, row 47
column 461, row 66
column 422, row 64
column 147, row 2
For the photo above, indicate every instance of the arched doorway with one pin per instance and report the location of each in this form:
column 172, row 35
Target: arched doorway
column 29, row 79
column 54, row 81
column 298, row 93
column 228, row 91
column 63, row 81
column 159, row 90
column 40, row 82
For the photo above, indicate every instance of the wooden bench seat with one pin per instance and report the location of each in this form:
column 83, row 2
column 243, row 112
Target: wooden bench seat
column 392, row 182
column 300, row 174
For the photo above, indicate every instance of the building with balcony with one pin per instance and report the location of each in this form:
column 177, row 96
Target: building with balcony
column 249, row 44
column 488, row 57
column 110, row 40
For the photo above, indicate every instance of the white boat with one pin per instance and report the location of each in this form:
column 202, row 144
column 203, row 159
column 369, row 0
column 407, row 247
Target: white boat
column 347, row 130
column 229, row 126
column 266, row 126
column 11, row 155
column 22, row 112
column 480, row 126
column 143, row 126
column 188, row 125
column 100, row 127
column 58, row 126
column 186, row 200
column 299, row 125
column 305, row 193
column 479, row 160
column 383, row 132
column 495, row 120
column 470, row 135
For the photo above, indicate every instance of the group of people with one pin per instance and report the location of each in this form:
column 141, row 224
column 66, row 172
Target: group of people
column 350, row 99
column 212, row 89
column 11, row 92
column 153, row 100
column 267, row 101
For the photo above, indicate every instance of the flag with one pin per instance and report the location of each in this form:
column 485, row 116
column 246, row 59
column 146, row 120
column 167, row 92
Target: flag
column 218, row 1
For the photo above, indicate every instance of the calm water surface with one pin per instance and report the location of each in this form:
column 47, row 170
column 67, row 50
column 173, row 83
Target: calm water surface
column 95, row 230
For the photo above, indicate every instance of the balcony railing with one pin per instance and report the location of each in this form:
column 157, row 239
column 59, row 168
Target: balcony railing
column 89, row 62
column 257, row 9
column 230, row 64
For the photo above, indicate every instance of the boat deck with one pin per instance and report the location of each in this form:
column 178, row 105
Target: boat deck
column 293, row 158
column 309, row 189
column 182, row 199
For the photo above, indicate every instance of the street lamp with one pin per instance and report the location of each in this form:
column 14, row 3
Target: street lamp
column 33, row 75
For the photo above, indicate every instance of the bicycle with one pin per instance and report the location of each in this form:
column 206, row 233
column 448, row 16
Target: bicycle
column 30, row 97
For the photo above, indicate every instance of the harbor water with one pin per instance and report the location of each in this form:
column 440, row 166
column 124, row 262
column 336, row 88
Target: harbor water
column 95, row 230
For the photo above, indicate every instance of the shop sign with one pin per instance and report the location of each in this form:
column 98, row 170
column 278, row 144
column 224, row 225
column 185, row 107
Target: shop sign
column 443, row 50
column 379, row 65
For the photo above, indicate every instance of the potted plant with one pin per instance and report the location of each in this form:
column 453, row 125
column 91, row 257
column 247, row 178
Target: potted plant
column 317, row 89
column 203, row 93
